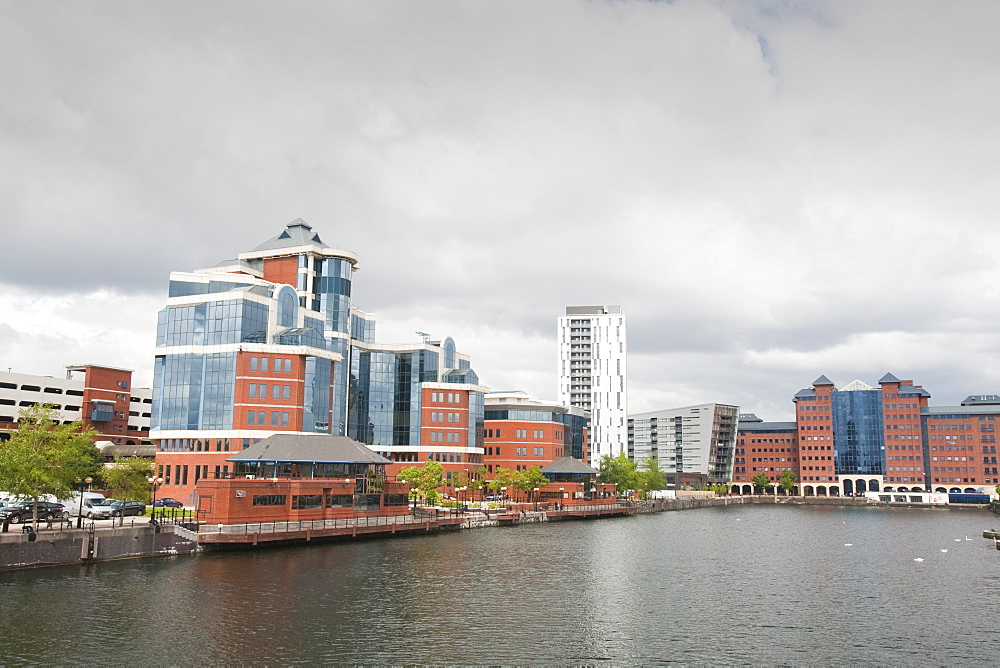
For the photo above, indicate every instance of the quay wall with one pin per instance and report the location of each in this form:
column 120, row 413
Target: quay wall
column 74, row 546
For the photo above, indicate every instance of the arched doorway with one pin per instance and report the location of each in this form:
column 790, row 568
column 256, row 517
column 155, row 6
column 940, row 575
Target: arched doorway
column 735, row 489
column 955, row 490
column 747, row 489
column 970, row 490
column 862, row 487
column 904, row 489
column 941, row 490
column 808, row 490
column 873, row 486
column 821, row 490
column 848, row 487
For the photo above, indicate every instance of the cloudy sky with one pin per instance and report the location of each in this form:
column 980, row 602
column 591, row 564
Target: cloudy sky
column 772, row 190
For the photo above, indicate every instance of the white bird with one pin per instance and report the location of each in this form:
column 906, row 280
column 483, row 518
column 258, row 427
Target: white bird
column 918, row 559
column 967, row 538
column 958, row 540
column 944, row 550
column 848, row 544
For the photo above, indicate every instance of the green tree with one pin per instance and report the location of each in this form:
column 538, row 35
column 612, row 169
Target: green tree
column 761, row 481
column 127, row 479
column 719, row 488
column 503, row 478
column 43, row 456
column 531, row 478
column 649, row 476
column 478, row 480
column 787, row 481
column 618, row 470
column 423, row 480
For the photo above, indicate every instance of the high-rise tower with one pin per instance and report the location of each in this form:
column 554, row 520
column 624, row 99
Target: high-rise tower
column 592, row 373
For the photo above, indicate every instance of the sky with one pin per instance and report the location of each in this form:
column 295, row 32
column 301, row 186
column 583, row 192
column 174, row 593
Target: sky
column 771, row 190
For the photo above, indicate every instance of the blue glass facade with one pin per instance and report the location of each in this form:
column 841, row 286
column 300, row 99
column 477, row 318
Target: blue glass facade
column 362, row 328
column 189, row 288
column 332, row 287
column 316, row 404
column 477, row 417
column 858, row 447
column 211, row 323
column 193, row 391
column 384, row 399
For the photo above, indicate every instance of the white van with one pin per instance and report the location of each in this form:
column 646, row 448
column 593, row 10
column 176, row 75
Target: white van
column 95, row 506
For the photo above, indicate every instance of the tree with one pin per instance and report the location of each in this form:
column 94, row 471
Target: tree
column 503, row 478
column 43, row 456
column 787, row 481
column 128, row 480
column 719, row 488
column 618, row 470
column 531, row 478
column 761, row 481
column 423, row 480
column 478, row 480
column 649, row 476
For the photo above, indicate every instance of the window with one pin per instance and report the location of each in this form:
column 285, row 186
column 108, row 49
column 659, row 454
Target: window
column 288, row 366
column 276, row 391
column 263, row 364
column 341, row 500
column 284, row 419
column 263, row 391
column 286, row 392
column 307, row 501
column 260, row 419
column 253, row 363
column 269, row 499
column 251, row 415
column 253, row 390
column 274, row 417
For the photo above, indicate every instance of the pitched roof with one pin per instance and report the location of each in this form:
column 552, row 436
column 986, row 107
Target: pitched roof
column 856, row 386
column 296, row 233
column 822, row 380
column 888, row 378
column 568, row 465
column 309, row 448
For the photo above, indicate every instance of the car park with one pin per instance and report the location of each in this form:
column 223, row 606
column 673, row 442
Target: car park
column 130, row 507
column 24, row 511
column 168, row 503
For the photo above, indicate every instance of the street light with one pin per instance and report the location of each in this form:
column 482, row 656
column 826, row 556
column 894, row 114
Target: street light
column 503, row 494
column 79, row 514
column 154, row 482
column 536, row 499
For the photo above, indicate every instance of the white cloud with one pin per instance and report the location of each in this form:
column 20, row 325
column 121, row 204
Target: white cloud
column 772, row 190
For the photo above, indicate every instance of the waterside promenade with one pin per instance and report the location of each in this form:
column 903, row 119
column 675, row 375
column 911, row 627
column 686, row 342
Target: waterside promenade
column 63, row 545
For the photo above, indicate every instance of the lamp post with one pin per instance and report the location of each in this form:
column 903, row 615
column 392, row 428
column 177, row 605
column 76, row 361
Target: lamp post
column 503, row 494
column 154, row 482
column 536, row 499
column 562, row 496
column 79, row 513
column 459, row 493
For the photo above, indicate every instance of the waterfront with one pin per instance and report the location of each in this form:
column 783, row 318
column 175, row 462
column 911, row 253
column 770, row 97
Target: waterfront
column 746, row 584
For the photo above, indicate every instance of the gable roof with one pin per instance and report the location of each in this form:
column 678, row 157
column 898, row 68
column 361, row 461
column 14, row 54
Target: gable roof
column 888, row 378
column 822, row 380
column 568, row 465
column 321, row 448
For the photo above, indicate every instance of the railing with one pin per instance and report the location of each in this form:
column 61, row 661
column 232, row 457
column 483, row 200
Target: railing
column 319, row 524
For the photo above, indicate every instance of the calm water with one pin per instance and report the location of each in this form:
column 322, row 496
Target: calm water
column 737, row 585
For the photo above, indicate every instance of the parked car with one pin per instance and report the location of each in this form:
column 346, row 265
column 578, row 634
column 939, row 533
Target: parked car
column 93, row 505
column 131, row 507
column 168, row 502
column 24, row 511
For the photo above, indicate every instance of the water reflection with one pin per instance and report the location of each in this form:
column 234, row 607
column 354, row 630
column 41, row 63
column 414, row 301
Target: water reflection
column 756, row 585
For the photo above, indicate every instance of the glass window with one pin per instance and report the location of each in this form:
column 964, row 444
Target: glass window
column 263, row 364
column 269, row 499
column 253, row 390
column 274, row 417
column 276, row 391
column 260, row 420
column 284, row 419
column 287, row 392
column 263, row 391
column 253, row 363
column 341, row 501
column 288, row 366
column 250, row 416
column 307, row 501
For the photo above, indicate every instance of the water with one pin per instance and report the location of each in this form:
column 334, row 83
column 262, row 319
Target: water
column 736, row 585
